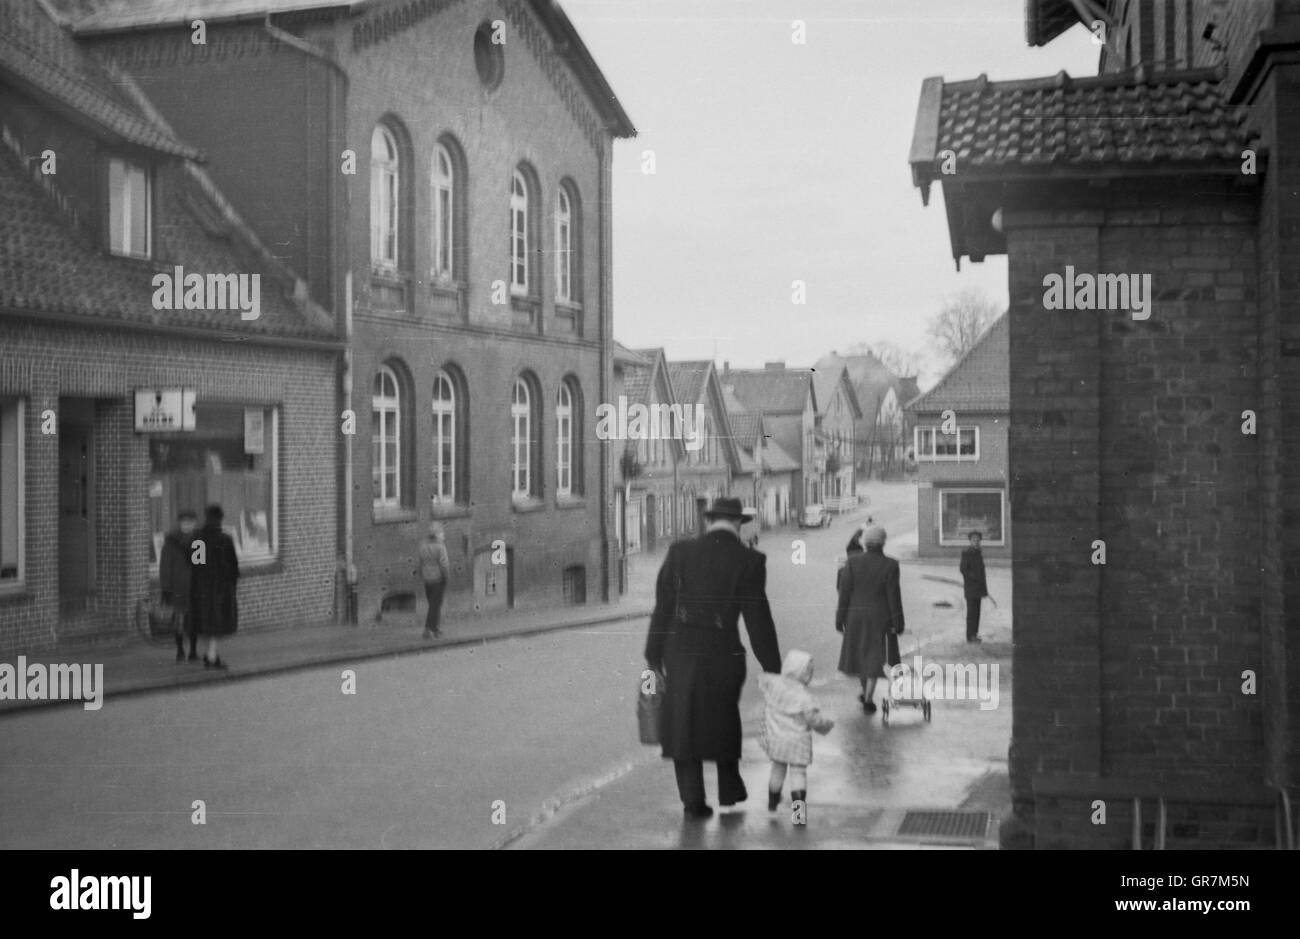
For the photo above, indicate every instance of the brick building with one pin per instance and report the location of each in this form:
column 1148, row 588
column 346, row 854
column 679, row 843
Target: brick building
column 1157, row 417
column 961, row 476
column 101, row 443
column 647, row 509
column 439, row 170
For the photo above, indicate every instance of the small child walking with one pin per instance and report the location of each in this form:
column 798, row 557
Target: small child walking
column 790, row 716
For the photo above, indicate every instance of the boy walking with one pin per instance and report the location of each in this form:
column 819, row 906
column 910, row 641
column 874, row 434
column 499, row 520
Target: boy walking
column 973, row 584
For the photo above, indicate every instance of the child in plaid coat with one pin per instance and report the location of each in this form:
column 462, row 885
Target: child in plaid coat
column 789, row 717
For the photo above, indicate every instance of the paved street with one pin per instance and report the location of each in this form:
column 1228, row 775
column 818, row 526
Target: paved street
column 418, row 756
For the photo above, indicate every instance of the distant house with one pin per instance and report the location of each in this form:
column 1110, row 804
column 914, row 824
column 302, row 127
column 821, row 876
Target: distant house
column 838, row 417
column 646, row 466
column 787, row 402
column 712, row 459
column 960, row 445
column 881, row 430
column 767, row 474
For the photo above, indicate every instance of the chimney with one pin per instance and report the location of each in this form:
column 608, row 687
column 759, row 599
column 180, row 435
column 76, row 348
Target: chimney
column 774, row 366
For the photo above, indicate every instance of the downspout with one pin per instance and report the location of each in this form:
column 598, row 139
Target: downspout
column 349, row 561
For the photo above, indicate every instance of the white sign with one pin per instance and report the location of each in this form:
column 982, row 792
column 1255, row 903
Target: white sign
column 164, row 410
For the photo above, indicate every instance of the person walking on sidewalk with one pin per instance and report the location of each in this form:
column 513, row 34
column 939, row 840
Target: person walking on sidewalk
column 790, row 714
column 214, row 574
column 174, row 581
column 974, row 585
column 434, row 570
column 706, row 584
column 869, row 612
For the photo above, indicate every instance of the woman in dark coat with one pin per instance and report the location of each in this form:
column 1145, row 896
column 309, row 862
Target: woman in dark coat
column 212, row 585
column 870, row 610
column 174, row 581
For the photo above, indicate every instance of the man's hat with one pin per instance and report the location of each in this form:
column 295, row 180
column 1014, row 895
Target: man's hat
column 725, row 507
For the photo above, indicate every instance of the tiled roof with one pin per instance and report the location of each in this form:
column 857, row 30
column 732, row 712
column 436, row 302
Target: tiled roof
column 1047, row 19
column 47, row 266
column 868, row 376
column 1172, row 120
column 622, row 354
column 38, row 53
column 905, row 389
column 770, row 390
column 775, row 459
column 745, row 427
column 979, row 381
column 688, row 379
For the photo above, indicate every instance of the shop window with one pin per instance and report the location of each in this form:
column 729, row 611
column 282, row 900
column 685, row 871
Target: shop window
column 962, row 511
column 230, row 459
column 11, row 492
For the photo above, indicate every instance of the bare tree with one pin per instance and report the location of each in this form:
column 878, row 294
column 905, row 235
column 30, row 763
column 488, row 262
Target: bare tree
column 901, row 362
column 960, row 322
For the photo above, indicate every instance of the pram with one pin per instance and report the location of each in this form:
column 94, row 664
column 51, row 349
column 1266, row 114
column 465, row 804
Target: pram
column 889, row 701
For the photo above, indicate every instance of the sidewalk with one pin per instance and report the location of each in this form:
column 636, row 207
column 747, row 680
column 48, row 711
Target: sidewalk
column 140, row 667
column 907, row 784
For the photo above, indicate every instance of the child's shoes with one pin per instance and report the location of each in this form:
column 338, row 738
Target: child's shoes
column 773, row 800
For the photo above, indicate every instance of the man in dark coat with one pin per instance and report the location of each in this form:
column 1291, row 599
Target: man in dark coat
column 705, row 585
column 869, row 614
column 174, row 581
column 973, row 584
column 214, row 571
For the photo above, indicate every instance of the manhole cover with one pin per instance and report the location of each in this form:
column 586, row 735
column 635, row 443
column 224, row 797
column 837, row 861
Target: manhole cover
column 945, row 824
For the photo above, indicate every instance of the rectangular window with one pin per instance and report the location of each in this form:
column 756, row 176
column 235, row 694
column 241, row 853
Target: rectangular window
column 11, row 492
column 934, row 445
column 129, row 206
column 230, row 459
column 962, row 511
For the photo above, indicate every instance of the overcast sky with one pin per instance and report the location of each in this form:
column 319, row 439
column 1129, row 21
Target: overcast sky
column 778, row 162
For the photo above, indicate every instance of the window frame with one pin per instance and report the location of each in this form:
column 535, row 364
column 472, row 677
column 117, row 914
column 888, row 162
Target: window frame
column 444, row 241
column 945, row 491
column 521, row 412
column 378, row 446
column 520, row 225
column 381, row 170
column 564, row 441
column 933, row 432
column 111, row 193
column 445, row 411
column 564, row 266
column 18, row 583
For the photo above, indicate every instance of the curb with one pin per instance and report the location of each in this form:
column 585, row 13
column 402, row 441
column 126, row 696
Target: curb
column 209, row 678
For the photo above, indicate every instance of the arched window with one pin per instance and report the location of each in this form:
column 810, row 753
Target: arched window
column 564, row 247
column 564, row 441
column 386, row 439
column 384, row 193
column 444, row 438
column 519, row 235
column 444, row 213
column 568, row 245
column 521, row 420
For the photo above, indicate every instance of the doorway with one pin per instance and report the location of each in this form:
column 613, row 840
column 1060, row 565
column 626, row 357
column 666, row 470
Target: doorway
column 76, row 433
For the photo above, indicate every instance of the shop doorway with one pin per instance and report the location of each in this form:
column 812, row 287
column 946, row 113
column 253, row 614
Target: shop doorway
column 76, row 432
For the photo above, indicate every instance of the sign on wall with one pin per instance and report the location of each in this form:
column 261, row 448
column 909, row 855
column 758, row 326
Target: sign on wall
column 164, row 410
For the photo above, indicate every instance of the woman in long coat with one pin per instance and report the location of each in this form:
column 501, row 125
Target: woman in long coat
column 870, row 610
column 213, row 577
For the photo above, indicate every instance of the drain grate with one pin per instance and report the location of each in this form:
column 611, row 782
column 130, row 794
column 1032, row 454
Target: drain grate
column 972, row 825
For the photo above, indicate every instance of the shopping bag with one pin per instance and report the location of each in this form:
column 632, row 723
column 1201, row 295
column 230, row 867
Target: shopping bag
column 649, row 705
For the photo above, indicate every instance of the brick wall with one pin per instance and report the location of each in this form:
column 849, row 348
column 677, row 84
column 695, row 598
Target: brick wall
column 43, row 363
column 1134, row 437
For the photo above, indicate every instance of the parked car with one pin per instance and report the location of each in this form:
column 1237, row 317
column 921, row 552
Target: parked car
column 815, row 516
